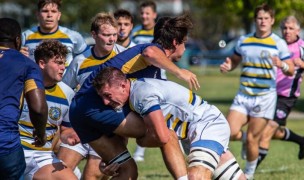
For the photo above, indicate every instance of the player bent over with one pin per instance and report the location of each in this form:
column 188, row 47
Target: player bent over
column 187, row 114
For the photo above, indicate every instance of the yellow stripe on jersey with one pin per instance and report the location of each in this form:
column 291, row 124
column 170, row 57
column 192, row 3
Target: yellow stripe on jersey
column 258, row 65
column 91, row 61
column 55, row 91
column 191, row 97
column 265, row 76
column 175, row 122
column 29, row 124
column 144, row 32
column 57, row 35
column 31, row 146
column 266, row 41
column 255, row 85
column 21, row 100
column 135, row 64
column 30, row 85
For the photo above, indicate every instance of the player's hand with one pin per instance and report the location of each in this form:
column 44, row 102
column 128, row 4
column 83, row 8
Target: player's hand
column 109, row 170
column 39, row 140
column 276, row 61
column 226, row 66
column 24, row 51
column 190, row 78
column 69, row 136
column 299, row 62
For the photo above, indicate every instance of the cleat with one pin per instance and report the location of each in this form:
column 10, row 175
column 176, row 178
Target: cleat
column 249, row 176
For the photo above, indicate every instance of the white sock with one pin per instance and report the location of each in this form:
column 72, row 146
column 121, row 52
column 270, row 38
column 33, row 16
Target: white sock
column 140, row 151
column 77, row 172
column 185, row 177
column 250, row 167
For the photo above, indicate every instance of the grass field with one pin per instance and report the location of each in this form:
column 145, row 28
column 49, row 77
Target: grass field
column 219, row 89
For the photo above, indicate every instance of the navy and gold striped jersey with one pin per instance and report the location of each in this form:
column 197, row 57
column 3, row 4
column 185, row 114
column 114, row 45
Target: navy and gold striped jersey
column 84, row 64
column 131, row 62
column 142, row 36
column 19, row 75
column 258, row 75
column 148, row 95
column 71, row 39
column 58, row 98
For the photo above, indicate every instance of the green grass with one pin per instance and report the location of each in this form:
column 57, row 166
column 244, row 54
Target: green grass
column 219, row 89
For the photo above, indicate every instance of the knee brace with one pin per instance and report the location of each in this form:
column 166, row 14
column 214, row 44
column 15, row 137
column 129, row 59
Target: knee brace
column 228, row 170
column 121, row 158
column 203, row 157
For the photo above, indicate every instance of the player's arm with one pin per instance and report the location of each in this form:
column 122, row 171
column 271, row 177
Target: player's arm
column 155, row 56
column 287, row 66
column 38, row 111
column 157, row 132
column 230, row 63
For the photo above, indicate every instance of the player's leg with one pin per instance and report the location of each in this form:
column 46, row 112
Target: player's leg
column 262, row 109
column 209, row 141
column 114, row 150
column 91, row 170
column 71, row 155
column 228, row 168
column 56, row 171
column 266, row 137
column 45, row 165
column 237, row 116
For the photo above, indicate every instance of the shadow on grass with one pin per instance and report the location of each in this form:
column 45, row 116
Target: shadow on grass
column 299, row 105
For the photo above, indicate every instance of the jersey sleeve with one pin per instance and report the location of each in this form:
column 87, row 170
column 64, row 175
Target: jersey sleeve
column 69, row 94
column 33, row 77
column 70, row 75
column 145, row 99
column 79, row 43
column 284, row 52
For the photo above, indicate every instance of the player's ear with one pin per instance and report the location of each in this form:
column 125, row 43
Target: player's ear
column 41, row 63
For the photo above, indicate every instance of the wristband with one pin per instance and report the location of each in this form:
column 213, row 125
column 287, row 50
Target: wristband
column 284, row 67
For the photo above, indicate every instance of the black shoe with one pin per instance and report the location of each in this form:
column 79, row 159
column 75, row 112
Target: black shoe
column 301, row 152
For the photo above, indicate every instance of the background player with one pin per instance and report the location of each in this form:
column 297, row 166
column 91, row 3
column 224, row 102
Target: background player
column 260, row 53
column 48, row 15
column 125, row 25
column 41, row 162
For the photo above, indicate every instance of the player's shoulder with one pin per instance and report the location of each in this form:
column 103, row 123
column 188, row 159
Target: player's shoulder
column 66, row 89
column 70, row 32
column 31, row 30
column 118, row 48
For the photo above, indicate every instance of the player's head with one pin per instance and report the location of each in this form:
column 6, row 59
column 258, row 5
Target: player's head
column 171, row 33
column 104, row 31
column 125, row 23
column 50, row 55
column 264, row 18
column 10, row 33
column 290, row 28
column 148, row 14
column 112, row 86
column 48, row 15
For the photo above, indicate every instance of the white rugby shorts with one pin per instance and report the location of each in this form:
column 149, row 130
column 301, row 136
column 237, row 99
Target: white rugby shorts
column 83, row 149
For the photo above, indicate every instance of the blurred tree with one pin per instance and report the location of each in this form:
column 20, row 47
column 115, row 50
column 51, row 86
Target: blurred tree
column 215, row 18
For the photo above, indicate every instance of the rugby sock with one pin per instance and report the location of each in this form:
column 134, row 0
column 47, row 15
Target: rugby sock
column 262, row 154
column 183, row 178
column 293, row 137
column 250, row 167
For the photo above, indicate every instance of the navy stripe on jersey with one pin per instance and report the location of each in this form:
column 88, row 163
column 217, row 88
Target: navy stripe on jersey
column 57, row 100
column 151, row 109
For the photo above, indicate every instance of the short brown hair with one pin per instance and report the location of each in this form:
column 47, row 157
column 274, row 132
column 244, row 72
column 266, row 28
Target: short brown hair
column 42, row 3
column 101, row 19
column 50, row 48
column 151, row 4
column 110, row 76
column 265, row 7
